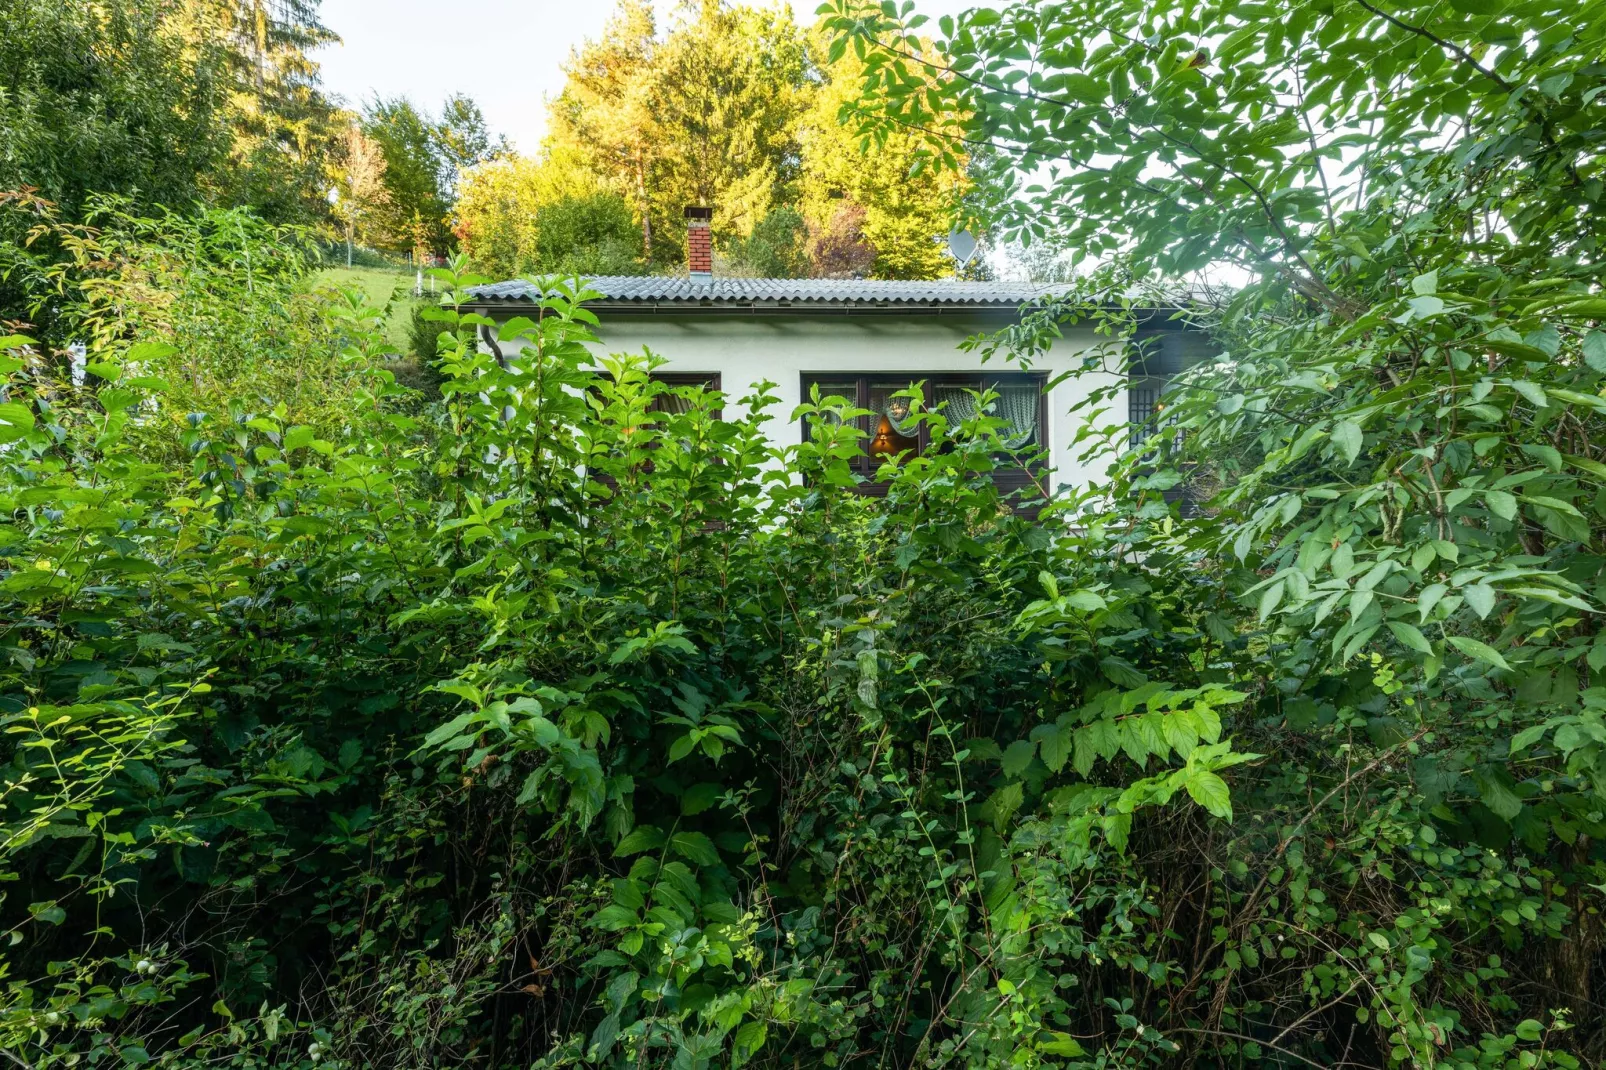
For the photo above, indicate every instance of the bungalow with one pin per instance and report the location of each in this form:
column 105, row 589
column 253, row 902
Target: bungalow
column 864, row 340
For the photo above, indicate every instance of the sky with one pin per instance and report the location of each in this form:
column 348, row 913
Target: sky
column 507, row 55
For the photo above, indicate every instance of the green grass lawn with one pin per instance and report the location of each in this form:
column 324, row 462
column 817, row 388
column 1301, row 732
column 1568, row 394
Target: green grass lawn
column 380, row 284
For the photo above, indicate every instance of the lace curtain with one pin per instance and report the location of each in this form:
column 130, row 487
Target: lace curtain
column 961, row 402
column 671, row 404
column 905, row 425
column 1016, row 406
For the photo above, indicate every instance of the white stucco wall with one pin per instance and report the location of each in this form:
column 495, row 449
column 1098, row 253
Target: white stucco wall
column 782, row 348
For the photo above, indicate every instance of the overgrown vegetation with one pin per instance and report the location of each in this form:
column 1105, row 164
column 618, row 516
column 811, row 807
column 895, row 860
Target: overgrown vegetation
column 545, row 725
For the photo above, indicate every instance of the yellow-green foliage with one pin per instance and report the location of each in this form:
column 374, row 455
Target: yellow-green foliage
column 906, row 195
column 735, row 108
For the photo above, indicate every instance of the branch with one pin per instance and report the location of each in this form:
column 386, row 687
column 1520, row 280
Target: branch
column 1460, row 53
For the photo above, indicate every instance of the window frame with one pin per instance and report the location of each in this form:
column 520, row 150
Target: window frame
column 707, row 380
column 711, row 381
column 1016, row 477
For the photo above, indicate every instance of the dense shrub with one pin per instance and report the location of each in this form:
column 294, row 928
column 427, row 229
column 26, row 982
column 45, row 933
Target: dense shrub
column 549, row 724
column 421, row 745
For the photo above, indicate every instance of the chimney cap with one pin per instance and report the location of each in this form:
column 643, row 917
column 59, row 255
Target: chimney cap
column 697, row 211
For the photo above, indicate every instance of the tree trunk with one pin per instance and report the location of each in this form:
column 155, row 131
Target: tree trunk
column 646, row 212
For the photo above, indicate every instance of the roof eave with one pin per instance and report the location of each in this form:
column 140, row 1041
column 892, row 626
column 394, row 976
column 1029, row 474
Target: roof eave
column 513, row 306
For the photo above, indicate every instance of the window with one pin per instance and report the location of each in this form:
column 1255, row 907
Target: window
column 1143, row 394
column 670, row 403
column 891, row 430
column 674, row 404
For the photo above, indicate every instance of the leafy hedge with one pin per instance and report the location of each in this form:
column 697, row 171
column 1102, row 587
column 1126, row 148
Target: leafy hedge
column 421, row 746
column 543, row 725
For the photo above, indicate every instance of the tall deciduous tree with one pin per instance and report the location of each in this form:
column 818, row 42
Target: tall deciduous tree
column 415, row 213
column 727, row 92
column 424, row 158
column 733, row 109
column 361, row 196
column 166, row 102
column 108, row 98
column 605, row 113
column 1400, row 450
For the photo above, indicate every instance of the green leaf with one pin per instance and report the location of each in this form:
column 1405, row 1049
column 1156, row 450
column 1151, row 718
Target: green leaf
column 1210, row 792
column 1086, row 601
column 16, row 421
column 1347, row 437
column 1004, row 802
column 700, row 797
column 694, row 847
column 1501, row 504
column 48, row 912
column 1018, row 757
column 1062, row 1045
column 1430, row 596
column 1481, row 597
column 682, row 747
column 1270, row 598
column 1410, row 636
column 614, row 917
column 641, row 838
column 1595, row 350
column 1498, row 791
column 1054, row 742
column 1472, row 648
column 1533, row 392
column 749, row 1039
column 1426, row 283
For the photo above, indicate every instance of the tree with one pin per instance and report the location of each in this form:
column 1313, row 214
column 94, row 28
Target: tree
column 166, row 102
column 706, row 116
column 463, row 141
column 361, row 193
column 727, row 90
column 424, row 161
column 415, row 215
column 605, row 115
column 108, row 98
column 283, row 128
column 777, row 248
column 904, row 193
column 732, row 109
column 1397, row 462
column 594, row 234
column 516, row 216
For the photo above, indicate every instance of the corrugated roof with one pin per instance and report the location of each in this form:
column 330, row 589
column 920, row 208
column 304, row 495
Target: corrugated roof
column 660, row 290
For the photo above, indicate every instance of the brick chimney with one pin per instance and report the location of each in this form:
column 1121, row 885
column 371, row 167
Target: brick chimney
column 699, row 242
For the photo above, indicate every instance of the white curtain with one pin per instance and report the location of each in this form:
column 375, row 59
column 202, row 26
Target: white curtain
column 961, row 403
column 1017, row 406
column 907, row 427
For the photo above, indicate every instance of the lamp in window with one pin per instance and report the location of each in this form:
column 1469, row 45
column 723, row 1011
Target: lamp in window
column 882, row 442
